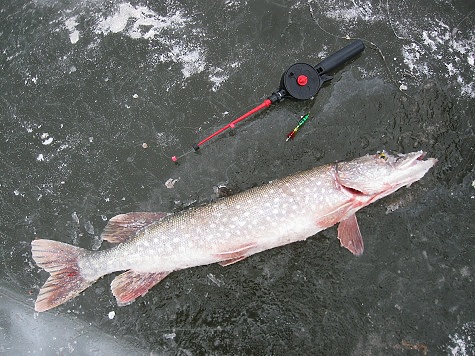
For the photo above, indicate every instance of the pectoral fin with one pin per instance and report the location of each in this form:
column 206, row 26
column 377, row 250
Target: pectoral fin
column 124, row 227
column 130, row 285
column 350, row 236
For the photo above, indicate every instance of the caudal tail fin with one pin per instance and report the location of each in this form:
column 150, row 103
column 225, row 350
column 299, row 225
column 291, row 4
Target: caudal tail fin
column 65, row 281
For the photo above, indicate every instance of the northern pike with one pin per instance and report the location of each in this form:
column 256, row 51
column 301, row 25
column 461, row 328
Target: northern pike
column 152, row 245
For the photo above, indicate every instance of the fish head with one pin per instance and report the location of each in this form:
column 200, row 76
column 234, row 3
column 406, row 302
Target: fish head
column 382, row 173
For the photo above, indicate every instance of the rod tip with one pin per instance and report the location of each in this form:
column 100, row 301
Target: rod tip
column 174, row 159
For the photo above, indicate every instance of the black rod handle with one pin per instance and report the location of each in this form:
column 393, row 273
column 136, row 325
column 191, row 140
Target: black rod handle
column 339, row 58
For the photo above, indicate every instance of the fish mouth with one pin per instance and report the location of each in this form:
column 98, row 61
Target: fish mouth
column 413, row 167
column 404, row 161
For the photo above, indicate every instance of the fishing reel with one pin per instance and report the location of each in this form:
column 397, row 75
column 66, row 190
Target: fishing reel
column 301, row 81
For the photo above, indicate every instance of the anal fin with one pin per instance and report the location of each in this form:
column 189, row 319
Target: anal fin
column 124, row 227
column 130, row 285
column 350, row 236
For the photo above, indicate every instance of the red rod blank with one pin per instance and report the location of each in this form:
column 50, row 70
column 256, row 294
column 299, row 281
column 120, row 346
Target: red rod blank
column 264, row 105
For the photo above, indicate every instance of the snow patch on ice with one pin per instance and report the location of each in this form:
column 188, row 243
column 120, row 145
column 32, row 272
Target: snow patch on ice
column 165, row 139
column 71, row 24
column 463, row 341
column 192, row 59
column 47, row 141
column 217, row 77
column 357, row 10
column 446, row 46
column 144, row 23
column 413, row 54
column 140, row 22
column 235, row 3
column 434, row 44
column 170, row 183
column 169, row 336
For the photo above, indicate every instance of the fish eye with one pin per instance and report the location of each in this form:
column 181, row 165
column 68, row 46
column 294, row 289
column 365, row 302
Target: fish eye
column 383, row 155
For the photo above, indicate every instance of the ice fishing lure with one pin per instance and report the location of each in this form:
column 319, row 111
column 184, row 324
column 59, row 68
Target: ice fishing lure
column 303, row 120
column 300, row 81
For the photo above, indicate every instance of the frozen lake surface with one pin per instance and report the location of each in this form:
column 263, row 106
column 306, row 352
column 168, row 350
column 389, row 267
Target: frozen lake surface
column 98, row 95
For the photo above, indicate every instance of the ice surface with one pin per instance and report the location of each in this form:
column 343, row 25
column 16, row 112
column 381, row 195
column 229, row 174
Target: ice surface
column 86, row 83
column 22, row 331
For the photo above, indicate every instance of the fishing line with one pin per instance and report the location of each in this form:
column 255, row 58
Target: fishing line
column 372, row 45
column 176, row 158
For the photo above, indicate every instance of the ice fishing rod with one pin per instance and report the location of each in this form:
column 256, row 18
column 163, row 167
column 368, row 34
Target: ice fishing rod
column 300, row 81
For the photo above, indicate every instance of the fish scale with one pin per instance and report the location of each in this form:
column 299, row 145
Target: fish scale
column 152, row 245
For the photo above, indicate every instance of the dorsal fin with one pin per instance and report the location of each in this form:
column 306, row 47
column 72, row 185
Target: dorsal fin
column 124, row 227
